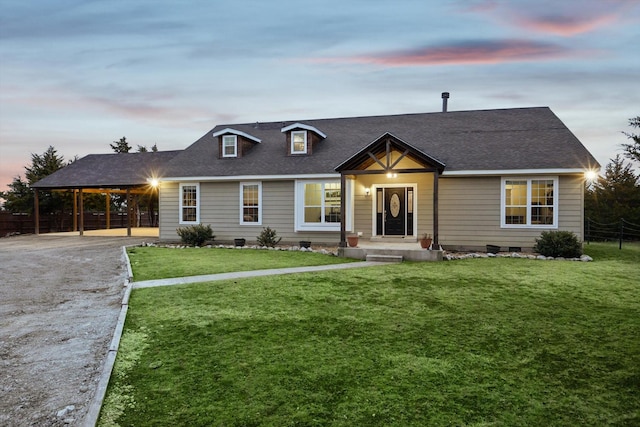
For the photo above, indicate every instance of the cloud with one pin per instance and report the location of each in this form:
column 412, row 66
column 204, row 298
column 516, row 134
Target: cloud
column 469, row 52
column 564, row 19
column 564, row 25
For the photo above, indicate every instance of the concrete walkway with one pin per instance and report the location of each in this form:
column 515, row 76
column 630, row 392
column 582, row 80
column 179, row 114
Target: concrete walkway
column 253, row 273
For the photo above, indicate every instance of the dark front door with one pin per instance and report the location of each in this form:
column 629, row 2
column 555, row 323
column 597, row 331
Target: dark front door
column 395, row 210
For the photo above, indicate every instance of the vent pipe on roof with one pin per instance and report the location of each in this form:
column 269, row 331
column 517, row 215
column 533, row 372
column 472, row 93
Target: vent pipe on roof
column 445, row 97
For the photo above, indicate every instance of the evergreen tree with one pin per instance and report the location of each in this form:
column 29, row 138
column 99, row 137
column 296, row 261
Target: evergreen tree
column 614, row 196
column 121, row 146
column 632, row 151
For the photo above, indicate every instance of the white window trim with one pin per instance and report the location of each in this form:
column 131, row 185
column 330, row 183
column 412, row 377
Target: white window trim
column 235, row 146
column 303, row 132
column 300, row 225
column 528, row 179
column 259, row 184
column 181, row 199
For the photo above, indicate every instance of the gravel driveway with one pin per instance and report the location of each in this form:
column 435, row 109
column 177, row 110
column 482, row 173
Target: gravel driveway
column 59, row 303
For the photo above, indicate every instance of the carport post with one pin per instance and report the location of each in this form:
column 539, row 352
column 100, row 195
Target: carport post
column 129, row 210
column 81, row 212
column 36, row 212
column 75, row 210
column 108, row 210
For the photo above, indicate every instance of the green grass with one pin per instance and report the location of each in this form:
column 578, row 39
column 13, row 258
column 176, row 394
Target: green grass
column 150, row 263
column 478, row 342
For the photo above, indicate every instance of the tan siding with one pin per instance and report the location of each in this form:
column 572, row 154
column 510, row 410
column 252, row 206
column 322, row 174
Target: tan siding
column 168, row 207
column 470, row 213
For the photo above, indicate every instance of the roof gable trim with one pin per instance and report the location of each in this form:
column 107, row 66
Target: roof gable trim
column 388, row 138
column 236, row 132
column 298, row 125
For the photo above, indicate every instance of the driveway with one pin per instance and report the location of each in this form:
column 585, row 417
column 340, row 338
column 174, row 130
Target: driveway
column 60, row 299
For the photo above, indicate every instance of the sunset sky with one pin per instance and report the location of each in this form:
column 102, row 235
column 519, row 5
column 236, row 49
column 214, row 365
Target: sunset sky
column 79, row 75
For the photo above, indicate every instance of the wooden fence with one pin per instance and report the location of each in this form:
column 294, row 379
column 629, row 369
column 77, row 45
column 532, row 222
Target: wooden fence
column 23, row 223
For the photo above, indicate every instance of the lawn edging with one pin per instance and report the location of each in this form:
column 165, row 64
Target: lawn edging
column 91, row 418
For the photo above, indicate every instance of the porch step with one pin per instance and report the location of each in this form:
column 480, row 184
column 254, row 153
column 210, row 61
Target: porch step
column 393, row 239
column 384, row 258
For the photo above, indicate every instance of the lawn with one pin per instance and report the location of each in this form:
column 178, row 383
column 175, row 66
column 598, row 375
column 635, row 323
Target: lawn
column 479, row 342
column 150, row 263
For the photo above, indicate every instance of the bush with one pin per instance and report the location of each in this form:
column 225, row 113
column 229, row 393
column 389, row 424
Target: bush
column 558, row 244
column 195, row 235
column 267, row 237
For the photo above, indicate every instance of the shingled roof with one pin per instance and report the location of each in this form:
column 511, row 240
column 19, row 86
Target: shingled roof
column 120, row 170
column 464, row 141
column 480, row 140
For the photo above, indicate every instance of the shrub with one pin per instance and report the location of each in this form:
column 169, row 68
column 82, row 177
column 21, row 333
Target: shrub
column 267, row 237
column 195, row 235
column 558, row 244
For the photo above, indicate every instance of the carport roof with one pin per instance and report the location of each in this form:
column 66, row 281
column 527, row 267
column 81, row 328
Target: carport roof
column 121, row 170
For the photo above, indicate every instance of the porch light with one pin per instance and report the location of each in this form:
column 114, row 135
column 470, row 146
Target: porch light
column 367, row 191
column 392, row 175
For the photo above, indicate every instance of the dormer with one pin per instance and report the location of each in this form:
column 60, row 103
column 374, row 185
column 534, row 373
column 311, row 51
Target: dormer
column 301, row 138
column 234, row 143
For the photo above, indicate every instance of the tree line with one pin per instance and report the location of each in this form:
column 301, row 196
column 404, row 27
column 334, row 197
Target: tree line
column 616, row 194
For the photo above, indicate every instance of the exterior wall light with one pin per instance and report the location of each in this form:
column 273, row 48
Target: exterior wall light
column 367, row 191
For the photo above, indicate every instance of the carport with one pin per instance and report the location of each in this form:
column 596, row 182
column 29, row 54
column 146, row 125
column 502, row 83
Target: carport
column 128, row 174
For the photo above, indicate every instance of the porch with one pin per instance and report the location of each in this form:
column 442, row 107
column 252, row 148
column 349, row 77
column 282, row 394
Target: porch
column 390, row 250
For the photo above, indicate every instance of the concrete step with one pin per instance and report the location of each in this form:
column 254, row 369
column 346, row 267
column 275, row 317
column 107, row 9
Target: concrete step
column 384, row 258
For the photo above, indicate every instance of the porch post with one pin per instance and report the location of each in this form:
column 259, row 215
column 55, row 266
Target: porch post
column 81, row 212
column 435, row 208
column 343, row 213
column 36, row 211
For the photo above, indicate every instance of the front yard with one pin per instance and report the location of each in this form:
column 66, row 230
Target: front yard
column 470, row 342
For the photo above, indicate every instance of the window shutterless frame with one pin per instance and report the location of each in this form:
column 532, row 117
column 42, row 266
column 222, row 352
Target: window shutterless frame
column 189, row 203
column 529, row 202
column 299, row 142
column 229, row 146
column 251, row 203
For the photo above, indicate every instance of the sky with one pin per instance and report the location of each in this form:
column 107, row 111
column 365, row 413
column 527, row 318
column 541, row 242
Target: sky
column 79, row 75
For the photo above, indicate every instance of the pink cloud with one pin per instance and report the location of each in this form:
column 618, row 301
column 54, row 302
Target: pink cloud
column 491, row 52
column 565, row 25
column 564, row 19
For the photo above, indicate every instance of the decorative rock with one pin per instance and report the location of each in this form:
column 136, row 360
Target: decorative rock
column 542, row 257
column 63, row 412
column 586, row 258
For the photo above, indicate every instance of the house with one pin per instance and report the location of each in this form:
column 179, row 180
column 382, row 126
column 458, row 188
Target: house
column 468, row 178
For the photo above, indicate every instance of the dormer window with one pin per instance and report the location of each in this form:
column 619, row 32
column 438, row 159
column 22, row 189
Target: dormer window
column 299, row 142
column 301, row 138
column 230, row 146
column 233, row 143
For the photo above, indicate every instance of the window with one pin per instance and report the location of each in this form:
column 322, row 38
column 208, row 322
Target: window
column 318, row 205
column 299, row 142
column 251, row 203
column 189, row 203
column 530, row 203
column 229, row 146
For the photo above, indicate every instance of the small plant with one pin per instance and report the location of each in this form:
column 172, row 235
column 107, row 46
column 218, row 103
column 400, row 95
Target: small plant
column 195, row 235
column 268, row 237
column 558, row 244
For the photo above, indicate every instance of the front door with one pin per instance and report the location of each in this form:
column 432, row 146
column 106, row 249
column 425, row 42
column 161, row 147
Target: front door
column 395, row 210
